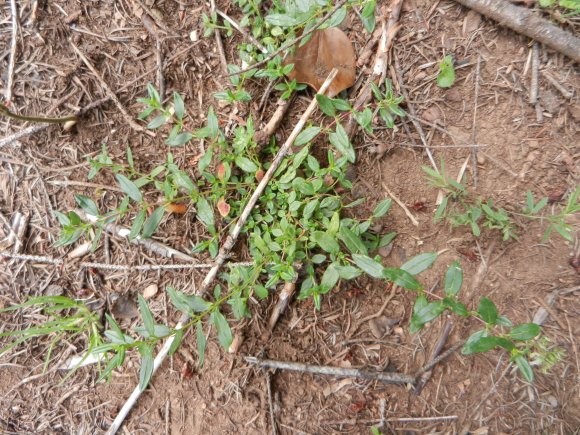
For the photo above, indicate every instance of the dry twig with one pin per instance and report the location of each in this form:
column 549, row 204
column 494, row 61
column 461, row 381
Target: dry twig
column 474, row 124
column 284, row 298
column 13, row 46
column 412, row 218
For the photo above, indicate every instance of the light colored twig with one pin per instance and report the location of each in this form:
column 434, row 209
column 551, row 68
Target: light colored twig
column 35, row 258
column 219, row 43
column 226, row 248
column 412, row 218
column 339, row 372
column 291, row 43
column 474, row 124
column 110, row 93
column 284, row 298
column 534, row 85
column 23, row 133
column 565, row 92
column 13, row 46
column 151, row 245
column 240, row 29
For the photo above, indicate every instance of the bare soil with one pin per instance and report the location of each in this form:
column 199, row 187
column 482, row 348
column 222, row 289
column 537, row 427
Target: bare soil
column 42, row 172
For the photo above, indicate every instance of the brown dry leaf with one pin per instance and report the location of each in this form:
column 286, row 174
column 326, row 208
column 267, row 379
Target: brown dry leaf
column 176, row 208
column 223, row 207
column 327, row 49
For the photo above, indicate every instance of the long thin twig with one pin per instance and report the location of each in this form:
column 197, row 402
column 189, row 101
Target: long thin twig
column 474, row 124
column 284, row 298
column 219, row 43
column 422, row 381
column 13, row 46
column 110, row 92
column 151, row 245
column 412, row 218
column 226, row 248
column 340, row 372
column 240, row 29
column 292, row 42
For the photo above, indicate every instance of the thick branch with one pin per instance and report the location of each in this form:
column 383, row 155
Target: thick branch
column 526, row 22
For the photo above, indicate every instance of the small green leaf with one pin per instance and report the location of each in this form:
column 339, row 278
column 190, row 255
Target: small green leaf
column 446, row 76
column 137, row 224
column 468, row 347
column 325, row 105
column 246, row 164
column 339, row 139
column 179, row 139
column 205, row 161
column 201, row 342
column 146, row 315
column 347, row 272
column 425, row 314
column 223, row 329
column 525, row 331
column 306, row 135
column 146, row 370
column 326, row 242
column 525, row 368
column 212, row 123
column 178, row 105
column 352, row 242
column 157, row 122
column 330, row 277
column 455, row 306
column 153, row 222
column 177, row 337
column 205, row 212
column 487, row 311
column 87, row 204
column 281, row 20
column 453, row 279
column 402, row 278
column 419, row 263
column 382, row 208
column 368, row 265
column 129, row 188
column 368, row 16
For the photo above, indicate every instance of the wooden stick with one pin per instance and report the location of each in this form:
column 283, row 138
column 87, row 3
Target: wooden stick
column 13, row 46
column 526, row 22
column 219, row 43
column 284, row 298
column 224, row 252
column 474, row 124
column 412, row 218
column 339, row 372
column 425, row 376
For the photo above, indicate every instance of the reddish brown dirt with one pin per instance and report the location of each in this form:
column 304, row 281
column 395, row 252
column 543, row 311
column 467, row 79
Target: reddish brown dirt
column 228, row 396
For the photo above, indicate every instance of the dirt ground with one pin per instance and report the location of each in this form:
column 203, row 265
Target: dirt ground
column 40, row 173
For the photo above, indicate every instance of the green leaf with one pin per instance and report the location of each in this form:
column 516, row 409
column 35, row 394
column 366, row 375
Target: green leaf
column 352, row 242
column 246, row 164
column 179, row 139
column 177, row 338
column 87, row 204
column 137, row 224
column 446, row 76
column 146, row 315
column 504, row 321
column 337, row 18
column 453, row 279
column 129, row 188
column 326, row 242
column 487, row 311
column 153, row 222
column 425, row 314
column 212, row 123
column 368, row 265
column 330, row 277
column 325, row 105
column 306, row 135
column 382, row 208
column 339, row 139
column 468, row 347
column 387, row 239
column 419, row 263
column 368, row 16
column 440, row 212
column 525, row 368
column 205, row 161
column 178, row 105
column 525, row 331
column 455, row 306
column 146, row 370
column 402, row 278
column 205, row 212
column 347, row 272
column 157, row 122
column 201, row 342
column 223, row 329
column 281, row 20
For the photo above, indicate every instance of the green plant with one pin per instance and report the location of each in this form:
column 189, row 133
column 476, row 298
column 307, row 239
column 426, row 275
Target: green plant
column 446, row 75
column 461, row 208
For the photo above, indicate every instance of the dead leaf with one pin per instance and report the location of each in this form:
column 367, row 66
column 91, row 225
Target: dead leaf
column 327, row 49
column 382, row 326
column 223, row 207
column 433, row 115
column 221, row 171
column 176, row 208
column 150, row 291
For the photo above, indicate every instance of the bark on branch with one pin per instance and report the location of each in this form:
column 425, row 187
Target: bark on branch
column 527, row 23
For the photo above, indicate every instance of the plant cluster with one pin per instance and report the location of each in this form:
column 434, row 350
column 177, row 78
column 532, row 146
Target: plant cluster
column 461, row 208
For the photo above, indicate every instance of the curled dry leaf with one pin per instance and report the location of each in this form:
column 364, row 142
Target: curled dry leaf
column 223, row 207
column 176, row 208
column 327, row 49
column 150, row 291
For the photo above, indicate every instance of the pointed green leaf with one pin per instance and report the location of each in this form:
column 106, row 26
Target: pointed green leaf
column 525, row 368
column 402, row 278
column 352, row 242
column 201, row 342
column 205, row 212
column 419, row 263
column 146, row 370
column 87, row 204
column 153, row 222
column 306, row 135
column 129, row 188
column 369, row 266
column 146, row 315
column 382, row 208
column 339, row 139
column 487, row 311
column 525, row 331
column 453, row 279
column 223, row 329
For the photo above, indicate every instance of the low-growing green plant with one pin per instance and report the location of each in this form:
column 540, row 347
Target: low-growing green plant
column 446, row 75
column 460, row 207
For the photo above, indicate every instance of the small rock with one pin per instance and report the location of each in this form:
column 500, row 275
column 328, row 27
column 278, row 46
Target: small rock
column 480, row 159
column 385, row 251
column 381, row 326
column 432, row 114
column 552, row 401
column 124, row 308
column 471, row 22
column 453, row 95
column 54, row 290
column 150, row 291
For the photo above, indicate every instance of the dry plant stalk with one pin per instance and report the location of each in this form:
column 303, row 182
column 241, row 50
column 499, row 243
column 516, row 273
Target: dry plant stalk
column 226, row 248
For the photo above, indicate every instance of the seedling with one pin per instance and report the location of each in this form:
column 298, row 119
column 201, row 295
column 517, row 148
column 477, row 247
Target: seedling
column 446, row 75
